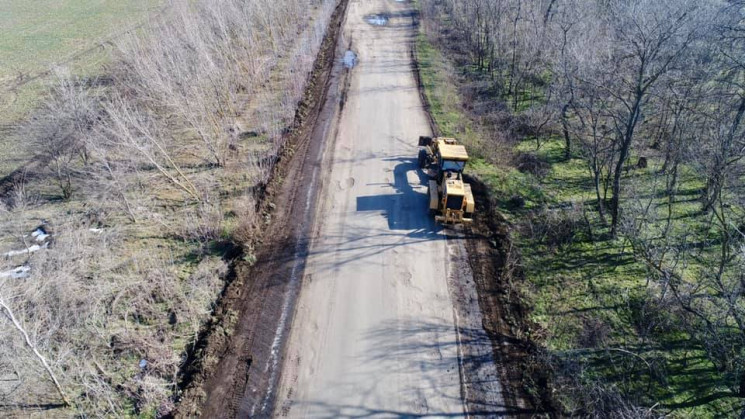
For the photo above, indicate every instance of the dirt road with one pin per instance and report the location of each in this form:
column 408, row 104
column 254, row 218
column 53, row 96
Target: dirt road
column 375, row 331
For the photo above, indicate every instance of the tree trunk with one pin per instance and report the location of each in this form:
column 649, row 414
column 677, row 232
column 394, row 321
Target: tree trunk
column 601, row 200
column 547, row 15
column 565, row 129
column 717, row 177
column 36, row 352
column 626, row 140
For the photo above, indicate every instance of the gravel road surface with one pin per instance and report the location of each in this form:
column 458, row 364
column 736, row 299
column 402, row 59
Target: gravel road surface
column 375, row 330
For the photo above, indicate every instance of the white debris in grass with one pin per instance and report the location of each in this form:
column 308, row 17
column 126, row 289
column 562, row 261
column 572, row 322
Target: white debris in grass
column 30, row 249
column 20, row 272
column 39, row 234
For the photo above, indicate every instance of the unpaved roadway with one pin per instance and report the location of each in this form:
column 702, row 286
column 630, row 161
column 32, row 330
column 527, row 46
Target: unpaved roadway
column 377, row 330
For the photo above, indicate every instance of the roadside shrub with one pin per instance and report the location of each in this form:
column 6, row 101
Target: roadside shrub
column 580, row 393
column 205, row 224
column 245, row 211
column 594, row 333
column 516, row 202
column 530, row 163
column 522, row 125
column 556, row 228
column 56, row 133
column 20, row 197
column 650, row 314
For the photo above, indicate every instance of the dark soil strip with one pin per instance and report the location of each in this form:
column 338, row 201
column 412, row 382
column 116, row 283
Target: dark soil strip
column 22, row 175
column 232, row 372
column 495, row 266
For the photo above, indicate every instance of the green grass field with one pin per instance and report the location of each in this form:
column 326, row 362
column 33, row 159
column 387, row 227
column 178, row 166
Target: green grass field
column 37, row 35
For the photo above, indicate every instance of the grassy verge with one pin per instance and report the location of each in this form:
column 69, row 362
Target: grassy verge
column 440, row 87
column 590, row 299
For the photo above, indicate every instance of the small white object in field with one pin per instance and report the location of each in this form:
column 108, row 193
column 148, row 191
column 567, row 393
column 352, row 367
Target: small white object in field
column 20, row 272
column 40, row 235
column 30, row 249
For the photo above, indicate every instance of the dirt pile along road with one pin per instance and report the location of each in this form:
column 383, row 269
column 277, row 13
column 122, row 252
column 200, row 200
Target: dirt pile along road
column 375, row 330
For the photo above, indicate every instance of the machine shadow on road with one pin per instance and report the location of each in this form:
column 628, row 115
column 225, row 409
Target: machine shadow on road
column 407, row 209
column 405, row 212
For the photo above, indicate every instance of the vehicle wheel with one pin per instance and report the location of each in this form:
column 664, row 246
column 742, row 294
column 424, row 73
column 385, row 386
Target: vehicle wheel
column 425, row 141
column 422, row 158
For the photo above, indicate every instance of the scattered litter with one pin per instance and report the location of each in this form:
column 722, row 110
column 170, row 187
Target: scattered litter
column 350, row 59
column 40, row 234
column 30, row 249
column 20, row 272
column 96, row 230
column 377, row 20
column 143, row 364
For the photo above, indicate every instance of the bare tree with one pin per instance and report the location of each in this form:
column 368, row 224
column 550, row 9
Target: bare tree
column 143, row 134
column 58, row 129
column 726, row 137
column 652, row 37
column 8, row 312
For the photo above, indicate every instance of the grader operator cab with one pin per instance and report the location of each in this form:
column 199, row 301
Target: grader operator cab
column 450, row 198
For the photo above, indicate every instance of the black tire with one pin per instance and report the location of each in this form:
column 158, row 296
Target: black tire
column 425, row 141
column 422, row 158
column 432, row 212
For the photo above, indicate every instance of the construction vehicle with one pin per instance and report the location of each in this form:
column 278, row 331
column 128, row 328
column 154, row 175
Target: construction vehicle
column 450, row 197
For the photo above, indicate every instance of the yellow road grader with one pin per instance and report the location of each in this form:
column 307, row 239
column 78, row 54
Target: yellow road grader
column 450, row 198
